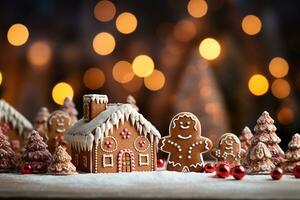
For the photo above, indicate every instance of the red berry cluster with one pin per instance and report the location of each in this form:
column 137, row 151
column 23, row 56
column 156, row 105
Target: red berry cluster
column 125, row 134
column 109, row 144
column 59, row 138
column 142, row 143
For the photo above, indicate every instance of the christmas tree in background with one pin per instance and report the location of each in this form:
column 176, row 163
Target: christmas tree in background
column 61, row 163
column 259, row 160
column 36, row 153
column 69, row 107
column 293, row 154
column 245, row 138
column 7, row 155
column 41, row 123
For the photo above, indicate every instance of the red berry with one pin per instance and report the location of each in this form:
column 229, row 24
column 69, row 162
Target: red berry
column 209, row 168
column 238, row 172
column 223, row 170
column 59, row 138
column 26, row 168
column 277, row 173
column 160, row 163
column 297, row 171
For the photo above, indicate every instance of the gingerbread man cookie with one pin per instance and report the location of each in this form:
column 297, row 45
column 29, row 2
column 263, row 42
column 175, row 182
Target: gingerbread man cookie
column 185, row 144
column 229, row 150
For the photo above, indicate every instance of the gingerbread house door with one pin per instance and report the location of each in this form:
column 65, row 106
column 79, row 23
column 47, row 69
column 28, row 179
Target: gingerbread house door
column 126, row 161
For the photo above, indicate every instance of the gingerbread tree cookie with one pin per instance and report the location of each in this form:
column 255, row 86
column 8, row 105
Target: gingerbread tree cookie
column 245, row 137
column 229, row 150
column 41, row 121
column 61, row 163
column 293, row 154
column 264, row 131
column 259, row 160
column 185, row 144
column 36, row 153
column 7, row 155
column 69, row 107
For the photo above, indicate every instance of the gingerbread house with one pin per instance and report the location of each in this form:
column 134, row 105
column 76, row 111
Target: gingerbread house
column 14, row 125
column 112, row 138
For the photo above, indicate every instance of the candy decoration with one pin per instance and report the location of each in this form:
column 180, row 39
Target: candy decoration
column 125, row 134
column 209, row 168
column 223, row 170
column 59, row 138
column 238, row 172
column 297, row 171
column 277, row 173
column 26, row 168
column 160, row 163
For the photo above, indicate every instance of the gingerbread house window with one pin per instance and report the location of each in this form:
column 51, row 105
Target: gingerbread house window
column 85, row 161
column 76, row 159
column 143, row 159
column 108, row 160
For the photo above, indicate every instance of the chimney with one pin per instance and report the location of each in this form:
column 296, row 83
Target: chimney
column 93, row 105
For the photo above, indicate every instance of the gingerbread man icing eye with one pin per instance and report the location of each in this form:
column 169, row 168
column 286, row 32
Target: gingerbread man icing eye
column 141, row 144
column 109, row 144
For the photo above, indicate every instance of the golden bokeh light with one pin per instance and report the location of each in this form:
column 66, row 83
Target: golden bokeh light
column 142, row 66
column 61, row 91
column 134, row 85
column 258, row 84
column 209, row 48
column 285, row 115
column 104, row 11
column 122, row 72
column 94, row 78
column 185, row 30
column 17, row 34
column 1, row 78
column 251, row 25
column 39, row 54
column 279, row 67
column 155, row 81
column 280, row 88
column 126, row 23
column 104, row 43
column 197, row 8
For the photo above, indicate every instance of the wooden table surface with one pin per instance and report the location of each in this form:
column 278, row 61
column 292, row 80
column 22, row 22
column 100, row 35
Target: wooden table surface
column 160, row 184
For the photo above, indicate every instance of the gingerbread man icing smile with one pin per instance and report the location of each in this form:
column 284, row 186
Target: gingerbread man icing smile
column 185, row 144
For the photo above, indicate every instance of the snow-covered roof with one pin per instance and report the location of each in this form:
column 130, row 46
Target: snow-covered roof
column 80, row 134
column 10, row 115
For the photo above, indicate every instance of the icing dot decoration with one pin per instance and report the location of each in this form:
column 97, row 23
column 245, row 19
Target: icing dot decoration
column 125, row 134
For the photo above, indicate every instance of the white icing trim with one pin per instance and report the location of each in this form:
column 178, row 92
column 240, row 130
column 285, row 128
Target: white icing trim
column 141, row 163
column 98, row 98
column 185, row 169
column 120, row 164
column 10, row 115
column 184, row 138
column 109, row 151
column 185, row 114
column 137, row 148
column 104, row 164
column 197, row 165
column 174, row 164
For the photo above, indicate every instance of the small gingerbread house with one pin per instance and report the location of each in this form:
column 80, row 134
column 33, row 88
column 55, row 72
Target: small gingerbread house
column 14, row 125
column 112, row 138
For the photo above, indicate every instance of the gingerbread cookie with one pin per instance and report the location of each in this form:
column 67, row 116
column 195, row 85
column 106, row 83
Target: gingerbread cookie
column 59, row 122
column 185, row 144
column 229, row 150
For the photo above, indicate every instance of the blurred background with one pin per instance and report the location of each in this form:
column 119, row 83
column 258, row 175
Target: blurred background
column 225, row 61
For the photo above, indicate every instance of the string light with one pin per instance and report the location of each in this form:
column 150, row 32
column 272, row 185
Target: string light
column 104, row 11
column 39, row 54
column 285, row 115
column 280, row 88
column 1, row 78
column 258, row 84
column 197, row 8
column 122, row 72
column 126, row 23
column 94, row 78
column 209, row 48
column 142, row 66
column 251, row 25
column 60, row 91
column 104, row 43
column 185, row 30
column 155, row 81
column 17, row 34
column 279, row 67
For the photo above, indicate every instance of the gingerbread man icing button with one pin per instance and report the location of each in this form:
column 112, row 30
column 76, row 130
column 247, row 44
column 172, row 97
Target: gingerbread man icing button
column 184, row 144
column 229, row 150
